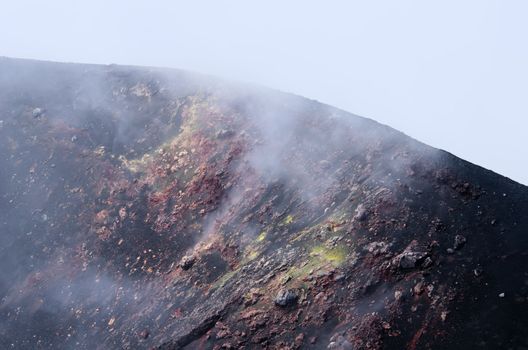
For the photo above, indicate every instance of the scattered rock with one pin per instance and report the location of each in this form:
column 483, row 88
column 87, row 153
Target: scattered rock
column 409, row 259
column 459, row 242
column 428, row 262
column 443, row 315
column 144, row 334
column 187, row 262
column 223, row 333
column 338, row 277
column 430, row 288
column 299, row 338
column 122, row 213
column 37, row 112
column 477, row 271
column 361, row 213
column 286, row 297
column 377, row 248
column 418, row 288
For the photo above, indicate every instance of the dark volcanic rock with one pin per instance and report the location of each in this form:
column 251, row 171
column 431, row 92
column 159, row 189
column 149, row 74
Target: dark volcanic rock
column 459, row 242
column 149, row 208
column 144, row 334
column 409, row 259
column 361, row 213
column 187, row 262
column 286, row 297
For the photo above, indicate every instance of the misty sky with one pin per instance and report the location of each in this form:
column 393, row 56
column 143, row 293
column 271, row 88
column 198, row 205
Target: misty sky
column 453, row 74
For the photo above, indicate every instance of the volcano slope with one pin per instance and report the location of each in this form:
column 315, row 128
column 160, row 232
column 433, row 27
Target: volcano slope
column 151, row 208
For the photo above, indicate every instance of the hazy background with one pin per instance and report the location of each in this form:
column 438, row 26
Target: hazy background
column 452, row 74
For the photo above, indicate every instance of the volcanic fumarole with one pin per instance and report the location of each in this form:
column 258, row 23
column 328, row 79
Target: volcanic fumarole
column 155, row 208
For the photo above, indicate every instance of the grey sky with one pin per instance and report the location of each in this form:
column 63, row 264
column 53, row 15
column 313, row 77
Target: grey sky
column 453, row 74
